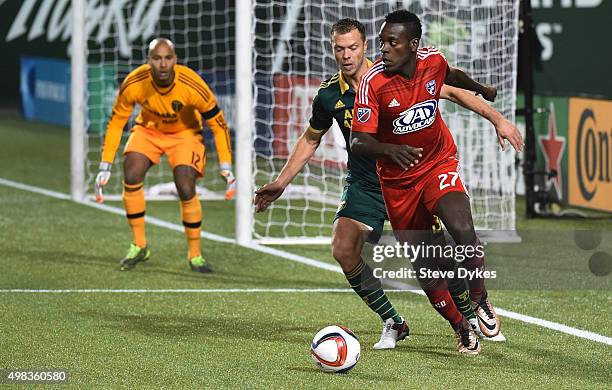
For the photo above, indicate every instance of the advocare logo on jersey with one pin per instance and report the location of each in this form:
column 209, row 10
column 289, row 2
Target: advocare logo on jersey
column 53, row 19
column 415, row 118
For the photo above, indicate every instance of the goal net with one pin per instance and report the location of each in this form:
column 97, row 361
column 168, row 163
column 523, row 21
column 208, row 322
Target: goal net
column 202, row 32
column 291, row 55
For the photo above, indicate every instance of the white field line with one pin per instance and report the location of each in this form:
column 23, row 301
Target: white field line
column 188, row 290
column 282, row 254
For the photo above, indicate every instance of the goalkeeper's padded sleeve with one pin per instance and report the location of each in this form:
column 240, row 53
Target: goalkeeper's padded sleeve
column 222, row 139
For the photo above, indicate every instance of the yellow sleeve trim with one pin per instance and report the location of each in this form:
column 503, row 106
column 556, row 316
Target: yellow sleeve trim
column 316, row 131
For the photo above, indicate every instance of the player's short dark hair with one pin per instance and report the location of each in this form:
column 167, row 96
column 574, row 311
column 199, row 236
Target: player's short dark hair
column 345, row 26
column 408, row 19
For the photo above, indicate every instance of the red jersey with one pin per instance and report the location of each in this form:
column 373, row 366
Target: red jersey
column 400, row 111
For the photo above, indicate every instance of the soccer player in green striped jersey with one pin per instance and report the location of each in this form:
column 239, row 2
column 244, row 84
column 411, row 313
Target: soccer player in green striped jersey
column 361, row 214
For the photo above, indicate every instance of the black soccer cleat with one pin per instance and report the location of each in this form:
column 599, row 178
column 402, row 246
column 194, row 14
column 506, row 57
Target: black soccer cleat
column 134, row 256
column 198, row 264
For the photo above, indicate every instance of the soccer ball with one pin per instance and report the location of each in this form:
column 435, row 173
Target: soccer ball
column 335, row 349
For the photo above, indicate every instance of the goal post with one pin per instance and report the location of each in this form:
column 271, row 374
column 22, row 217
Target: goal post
column 244, row 123
column 264, row 61
column 78, row 130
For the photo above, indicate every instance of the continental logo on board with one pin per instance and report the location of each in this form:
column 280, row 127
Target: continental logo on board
column 590, row 153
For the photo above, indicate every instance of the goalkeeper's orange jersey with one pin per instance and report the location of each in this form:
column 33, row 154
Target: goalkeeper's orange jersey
column 174, row 109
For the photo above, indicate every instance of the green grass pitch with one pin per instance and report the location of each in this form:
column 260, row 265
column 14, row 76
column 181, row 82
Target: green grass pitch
column 256, row 339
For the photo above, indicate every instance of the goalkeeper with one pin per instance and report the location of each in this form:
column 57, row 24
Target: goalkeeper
column 173, row 99
column 362, row 208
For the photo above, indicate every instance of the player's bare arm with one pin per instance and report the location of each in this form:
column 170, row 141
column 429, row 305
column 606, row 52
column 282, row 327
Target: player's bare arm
column 505, row 129
column 403, row 155
column 458, row 78
column 302, row 152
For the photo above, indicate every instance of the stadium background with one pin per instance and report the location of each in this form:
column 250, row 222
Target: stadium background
column 30, row 30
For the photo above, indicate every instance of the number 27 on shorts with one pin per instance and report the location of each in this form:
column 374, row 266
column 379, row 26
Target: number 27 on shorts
column 448, row 179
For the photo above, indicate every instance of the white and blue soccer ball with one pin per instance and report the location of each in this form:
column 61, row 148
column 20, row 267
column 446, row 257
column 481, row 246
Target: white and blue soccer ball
column 335, row 349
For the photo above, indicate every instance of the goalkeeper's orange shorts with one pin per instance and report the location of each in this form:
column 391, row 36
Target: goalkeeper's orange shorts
column 183, row 148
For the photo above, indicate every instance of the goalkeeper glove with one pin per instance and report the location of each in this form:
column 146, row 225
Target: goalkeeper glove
column 104, row 173
column 226, row 172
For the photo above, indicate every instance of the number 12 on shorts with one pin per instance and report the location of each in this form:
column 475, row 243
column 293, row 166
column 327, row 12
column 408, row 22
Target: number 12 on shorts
column 446, row 177
column 195, row 159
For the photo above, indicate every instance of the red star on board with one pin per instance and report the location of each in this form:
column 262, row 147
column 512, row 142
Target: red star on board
column 553, row 147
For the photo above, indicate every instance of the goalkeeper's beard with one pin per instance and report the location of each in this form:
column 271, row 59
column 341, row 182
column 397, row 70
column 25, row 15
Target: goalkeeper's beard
column 163, row 82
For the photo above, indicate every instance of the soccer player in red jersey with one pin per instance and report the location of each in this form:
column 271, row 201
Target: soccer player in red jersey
column 397, row 120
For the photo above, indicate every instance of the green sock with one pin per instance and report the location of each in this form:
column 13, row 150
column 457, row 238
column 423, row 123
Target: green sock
column 370, row 290
column 461, row 296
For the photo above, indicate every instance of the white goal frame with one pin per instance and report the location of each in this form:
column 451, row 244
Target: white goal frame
column 244, row 121
column 244, row 127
